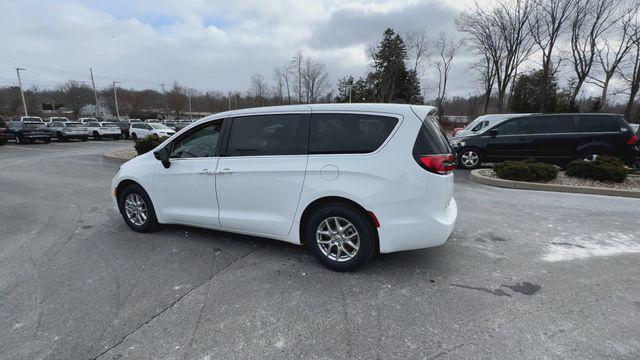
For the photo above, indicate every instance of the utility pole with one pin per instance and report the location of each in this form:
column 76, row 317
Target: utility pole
column 350, row 86
column 229, row 98
column 115, row 96
column 24, row 103
column 166, row 103
column 189, row 96
column 95, row 94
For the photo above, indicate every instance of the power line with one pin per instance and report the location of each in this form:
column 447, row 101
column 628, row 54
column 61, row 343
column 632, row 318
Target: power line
column 84, row 75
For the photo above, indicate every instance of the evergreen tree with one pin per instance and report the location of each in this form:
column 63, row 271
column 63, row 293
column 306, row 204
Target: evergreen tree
column 390, row 78
column 527, row 93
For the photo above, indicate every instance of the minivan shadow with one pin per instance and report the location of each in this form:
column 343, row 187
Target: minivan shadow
column 429, row 260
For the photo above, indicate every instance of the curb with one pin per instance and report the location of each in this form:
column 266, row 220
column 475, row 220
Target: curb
column 477, row 177
column 115, row 158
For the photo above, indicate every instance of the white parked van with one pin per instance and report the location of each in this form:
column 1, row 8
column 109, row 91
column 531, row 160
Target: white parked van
column 347, row 180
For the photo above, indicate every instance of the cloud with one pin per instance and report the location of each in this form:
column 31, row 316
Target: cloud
column 207, row 45
column 365, row 23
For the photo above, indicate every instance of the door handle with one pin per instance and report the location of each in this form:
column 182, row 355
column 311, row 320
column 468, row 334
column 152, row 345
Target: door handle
column 225, row 171
column 206, row 172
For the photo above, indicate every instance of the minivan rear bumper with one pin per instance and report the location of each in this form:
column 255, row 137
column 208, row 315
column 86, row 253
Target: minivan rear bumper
column 418, row 232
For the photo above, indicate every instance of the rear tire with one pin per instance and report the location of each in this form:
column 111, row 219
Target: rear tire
column 60, row 137
column 137, row 209
column 19, row 140
column 340, row 237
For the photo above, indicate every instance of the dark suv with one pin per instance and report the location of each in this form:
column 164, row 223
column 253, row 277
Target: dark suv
column 553, row 138
column 29, row 131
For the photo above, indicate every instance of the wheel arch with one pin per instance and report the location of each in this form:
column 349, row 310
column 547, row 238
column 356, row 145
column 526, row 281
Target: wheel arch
column 127, row 182
column 318, row 203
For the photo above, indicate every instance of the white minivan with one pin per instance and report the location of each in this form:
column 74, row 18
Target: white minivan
column 346, row 180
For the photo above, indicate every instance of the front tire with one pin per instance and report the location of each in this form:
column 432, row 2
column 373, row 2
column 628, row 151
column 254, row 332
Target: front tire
column 96, row 135
column 134, row 136
column 340, row 237
column 469, row 159
column 137, row 209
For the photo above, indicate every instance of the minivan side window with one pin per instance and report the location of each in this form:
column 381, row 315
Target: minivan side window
column 598, row 123
column 514, row 127
column 349, row 133
column 201, row 142
column 552, row 124
column 276, row 134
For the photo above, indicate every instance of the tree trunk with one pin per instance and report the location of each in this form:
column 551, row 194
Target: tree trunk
column 487, row 99
column 605, row 89
column 543, row 89
column 576, row 91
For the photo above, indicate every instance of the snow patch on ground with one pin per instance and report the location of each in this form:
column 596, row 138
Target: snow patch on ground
column 585, row 246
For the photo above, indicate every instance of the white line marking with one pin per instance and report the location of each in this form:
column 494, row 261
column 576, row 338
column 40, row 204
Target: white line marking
column 585, row 246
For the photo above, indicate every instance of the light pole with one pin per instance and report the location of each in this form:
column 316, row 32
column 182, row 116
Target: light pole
column 24, row 103
column 350, row 86
column 115, row 96
column 166, row 103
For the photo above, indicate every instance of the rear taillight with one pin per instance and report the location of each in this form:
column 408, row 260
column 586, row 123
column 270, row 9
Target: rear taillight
column 439, row 164
column 633, row 140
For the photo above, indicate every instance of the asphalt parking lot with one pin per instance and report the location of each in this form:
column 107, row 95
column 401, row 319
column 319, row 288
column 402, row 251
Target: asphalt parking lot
column 526, row 275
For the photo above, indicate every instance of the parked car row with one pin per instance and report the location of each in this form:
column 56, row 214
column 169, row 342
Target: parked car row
column 32, row 129
column 553, row 138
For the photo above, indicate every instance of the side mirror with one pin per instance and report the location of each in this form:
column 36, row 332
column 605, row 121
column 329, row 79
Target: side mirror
column 163, row 156
column 493, row 133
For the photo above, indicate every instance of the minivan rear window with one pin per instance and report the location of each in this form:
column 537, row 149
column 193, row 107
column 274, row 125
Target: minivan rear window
column 431, row 139
column 349, row 133
column 598, row 123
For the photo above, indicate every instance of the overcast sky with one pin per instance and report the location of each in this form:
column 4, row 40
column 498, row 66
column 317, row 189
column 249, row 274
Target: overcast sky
column 207, row 45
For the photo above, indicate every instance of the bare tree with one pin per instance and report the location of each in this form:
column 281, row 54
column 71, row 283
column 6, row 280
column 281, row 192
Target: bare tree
column 632, row 79
column 417, row 48
column 591, row 19
column 629, row 69
column 487, row 72
column 278, row 87
column 314, row 80
column 446, row 47
column 284, row 74
column 546, row 25
column 296, row 69
column 258, row 88
column 616, row 44
column 502, row 32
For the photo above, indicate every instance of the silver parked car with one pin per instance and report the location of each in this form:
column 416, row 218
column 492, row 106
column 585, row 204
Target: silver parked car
column 66, row 130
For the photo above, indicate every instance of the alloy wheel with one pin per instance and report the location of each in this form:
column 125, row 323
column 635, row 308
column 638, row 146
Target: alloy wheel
column 470, row 158
column 338, row 239
column 136, row 209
